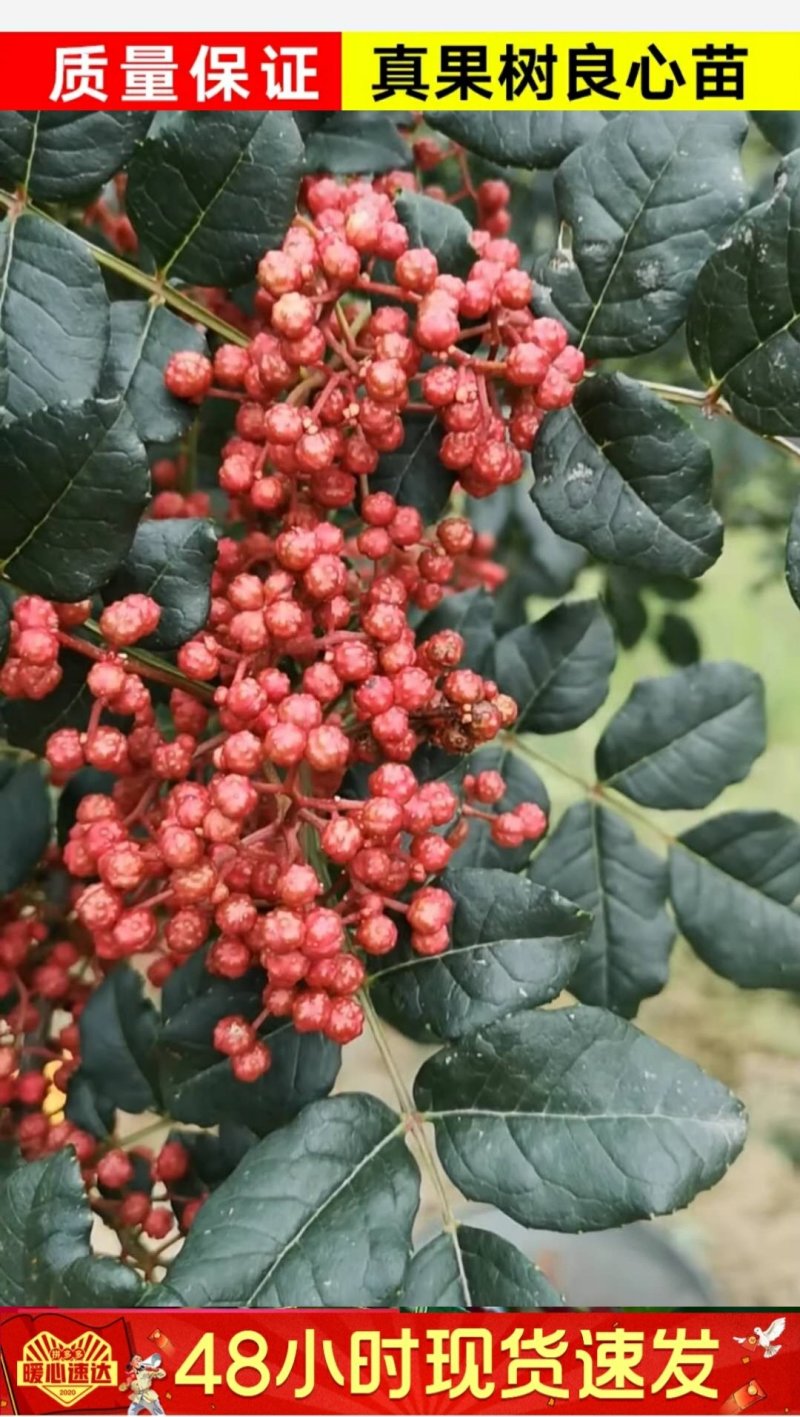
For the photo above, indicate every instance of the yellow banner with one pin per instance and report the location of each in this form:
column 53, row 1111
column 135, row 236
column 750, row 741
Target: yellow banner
column 541, row 70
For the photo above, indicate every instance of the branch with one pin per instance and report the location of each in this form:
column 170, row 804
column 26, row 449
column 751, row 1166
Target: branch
column 700, row 398
column 160, row 291
column 156, row 668
column 608, row 796
column 416, row 1127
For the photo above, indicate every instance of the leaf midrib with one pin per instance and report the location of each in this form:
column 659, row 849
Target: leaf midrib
column 681, row 1119
column 204, row 211
column 762, row 895
column 329, row 1199
column 91, row 452
column 636, row 763
column 32, row 152
column 4, row 276
column 420, row 961
column 556, row 665
column 629, row 233
column 624, row 479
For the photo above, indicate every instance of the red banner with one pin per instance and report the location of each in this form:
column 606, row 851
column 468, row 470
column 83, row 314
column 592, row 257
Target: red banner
column 288, row 1361
column 171, row 71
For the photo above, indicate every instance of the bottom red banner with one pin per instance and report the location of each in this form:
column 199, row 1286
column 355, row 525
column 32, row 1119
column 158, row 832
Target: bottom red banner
column 174, row 1361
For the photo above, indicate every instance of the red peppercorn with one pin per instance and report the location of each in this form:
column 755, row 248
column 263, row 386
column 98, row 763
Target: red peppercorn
column 115, row 1169
column 188, row 375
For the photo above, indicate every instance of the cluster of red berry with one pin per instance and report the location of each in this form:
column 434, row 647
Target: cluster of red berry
column 323, row 384
column 31, row 669
column 47, row 980
column 141, row 1191
column 233, row 829
column 231, row 825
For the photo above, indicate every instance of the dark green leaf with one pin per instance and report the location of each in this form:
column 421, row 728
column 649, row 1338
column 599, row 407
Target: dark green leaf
column 309, row 120
column 469, row 1268
column 45, row 1222
column 208, row 193
column 519, row 139
column 571, row 1119
column 594, row 858
column 143, row 336
column 678, row 741
column 88, row 1108
column 471, row 614
column 511, row 599
column 99, row 1282
column 199, row 1085
column 672, row 588
column 781, row 129
column 171, row 561
column 623, row 602
column 197, row 1081
column 6, row 602
column 355, row 143
column 9, row 1159
column 318, row 1214
column 744, row 325
column 73, row 484
column 557, row 670
column 57, row 155
column 538, row 562
column 551, row 563
column 414, row 474
column 442, row 228
column 214, row 1157
column 522, row 785
column 735, row 884
column 53, row 316
column 515, row 944
column 644, row 200
column 677, row 639
column 793, row 555
column 118, row 1037
column 493, row 516
column 625, row 476
column 24, row 823
column 215, row 420
column 44, row 1228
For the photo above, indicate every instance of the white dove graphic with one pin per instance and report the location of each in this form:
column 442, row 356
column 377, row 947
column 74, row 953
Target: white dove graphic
column 766, row 1337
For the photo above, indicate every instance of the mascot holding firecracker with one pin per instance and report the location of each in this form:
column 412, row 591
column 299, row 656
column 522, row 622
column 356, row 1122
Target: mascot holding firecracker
column 140, row 1376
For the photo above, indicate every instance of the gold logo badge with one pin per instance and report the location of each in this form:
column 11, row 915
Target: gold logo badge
column 67, row 1371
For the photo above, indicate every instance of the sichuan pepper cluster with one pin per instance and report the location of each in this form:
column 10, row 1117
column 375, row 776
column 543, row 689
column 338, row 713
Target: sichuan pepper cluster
column 233, row 822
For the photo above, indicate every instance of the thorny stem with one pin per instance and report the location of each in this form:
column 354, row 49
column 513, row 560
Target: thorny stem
column 152, row 666
column 157, row 286
column 595, row 790
column 710, row 401
column 145, row 1132
column 415, row 1127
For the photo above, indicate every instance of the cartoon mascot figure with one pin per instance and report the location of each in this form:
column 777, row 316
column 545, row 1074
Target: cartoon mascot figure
column 140, row 1375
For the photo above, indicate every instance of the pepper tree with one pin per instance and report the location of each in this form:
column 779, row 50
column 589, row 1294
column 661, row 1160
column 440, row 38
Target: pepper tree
column 296, row 416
